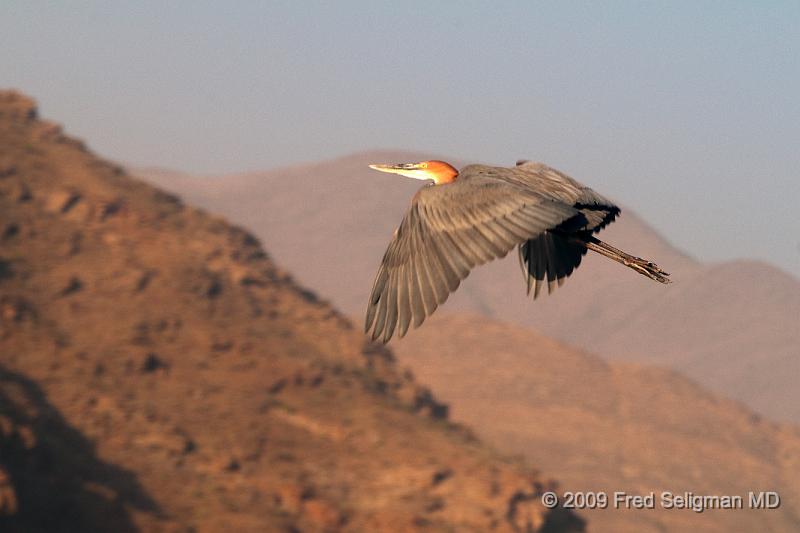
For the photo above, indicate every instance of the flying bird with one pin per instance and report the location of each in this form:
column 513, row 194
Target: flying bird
column 465, row 218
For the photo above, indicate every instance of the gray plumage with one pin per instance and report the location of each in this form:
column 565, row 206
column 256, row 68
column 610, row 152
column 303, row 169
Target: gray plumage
column 486, row 212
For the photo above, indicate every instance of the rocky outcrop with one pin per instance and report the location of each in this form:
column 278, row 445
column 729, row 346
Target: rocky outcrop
column 172, row 377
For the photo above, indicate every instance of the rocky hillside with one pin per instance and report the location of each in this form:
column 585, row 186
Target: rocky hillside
column 731, row 326
column 158, row 372
column 610, row 426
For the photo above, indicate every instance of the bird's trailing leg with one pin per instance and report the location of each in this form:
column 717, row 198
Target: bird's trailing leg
column 642, row 266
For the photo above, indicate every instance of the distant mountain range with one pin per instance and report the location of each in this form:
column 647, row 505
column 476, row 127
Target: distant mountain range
column 730, row 326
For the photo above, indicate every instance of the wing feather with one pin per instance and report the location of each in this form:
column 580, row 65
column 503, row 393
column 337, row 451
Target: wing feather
column 549, row 257
column 447, row 231
column 426, row 280
column 469, row 254
column 404, row 299
column 381, row 318
column 391, row 307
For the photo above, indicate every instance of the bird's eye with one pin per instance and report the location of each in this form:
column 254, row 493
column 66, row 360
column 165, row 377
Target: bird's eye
column 424, row 165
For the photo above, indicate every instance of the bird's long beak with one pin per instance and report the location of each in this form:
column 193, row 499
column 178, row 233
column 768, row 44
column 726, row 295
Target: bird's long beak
column 409, row 170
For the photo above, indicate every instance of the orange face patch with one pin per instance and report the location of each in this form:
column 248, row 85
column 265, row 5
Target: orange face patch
column 440, row 172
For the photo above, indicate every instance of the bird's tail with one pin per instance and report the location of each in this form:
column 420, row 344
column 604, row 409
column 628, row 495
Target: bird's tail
column 642, row 266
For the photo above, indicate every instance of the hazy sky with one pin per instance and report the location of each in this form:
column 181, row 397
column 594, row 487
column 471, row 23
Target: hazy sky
column 687, row 112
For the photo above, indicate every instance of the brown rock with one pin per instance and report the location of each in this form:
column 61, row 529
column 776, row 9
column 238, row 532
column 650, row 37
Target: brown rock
column 115, row 370
column 322, row 514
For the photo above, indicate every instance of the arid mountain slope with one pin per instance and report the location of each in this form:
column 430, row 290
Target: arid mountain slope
column 159, row 372
column 730, row 326
column 610, row 426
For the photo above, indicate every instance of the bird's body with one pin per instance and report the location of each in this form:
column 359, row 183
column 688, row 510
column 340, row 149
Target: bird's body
column 469, row 217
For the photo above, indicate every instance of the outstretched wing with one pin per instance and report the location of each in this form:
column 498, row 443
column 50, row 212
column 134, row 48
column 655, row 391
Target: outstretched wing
column 448, row 230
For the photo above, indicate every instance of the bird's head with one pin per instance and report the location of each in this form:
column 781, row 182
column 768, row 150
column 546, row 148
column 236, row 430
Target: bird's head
column 438, row 171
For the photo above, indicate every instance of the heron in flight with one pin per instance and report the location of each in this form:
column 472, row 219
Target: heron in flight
column 466, row 218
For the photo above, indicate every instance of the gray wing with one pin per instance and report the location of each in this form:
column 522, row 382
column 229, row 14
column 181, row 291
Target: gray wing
column 551, row 257
column 598, row 210
column 448, row 230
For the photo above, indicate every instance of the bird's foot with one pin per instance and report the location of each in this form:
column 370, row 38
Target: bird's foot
column 648, row 268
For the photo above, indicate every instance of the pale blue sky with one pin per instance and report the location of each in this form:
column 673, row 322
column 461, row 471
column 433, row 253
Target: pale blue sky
column 688, row 112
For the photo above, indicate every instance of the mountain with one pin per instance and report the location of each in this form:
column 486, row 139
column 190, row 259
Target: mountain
column 159, row 372
column 730, row 326
column 610, row 426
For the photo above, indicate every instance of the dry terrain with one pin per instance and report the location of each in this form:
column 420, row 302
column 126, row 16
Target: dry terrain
column 730, row 326
column 159, row 372
column 610, row 426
